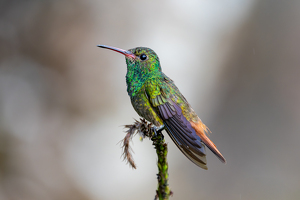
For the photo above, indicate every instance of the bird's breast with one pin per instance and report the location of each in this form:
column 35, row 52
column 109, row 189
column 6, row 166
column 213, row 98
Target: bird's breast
column 142, row 106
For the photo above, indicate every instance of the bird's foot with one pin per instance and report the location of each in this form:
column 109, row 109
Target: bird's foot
column 157, row 131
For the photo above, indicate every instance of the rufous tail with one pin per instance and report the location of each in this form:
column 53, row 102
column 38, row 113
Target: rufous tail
column 201, row 130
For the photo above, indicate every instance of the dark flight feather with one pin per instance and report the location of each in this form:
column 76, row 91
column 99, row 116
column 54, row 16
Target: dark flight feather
column 182, row 133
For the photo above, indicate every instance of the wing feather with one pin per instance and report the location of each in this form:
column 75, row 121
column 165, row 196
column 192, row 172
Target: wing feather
column 168, row 103
column 182, row 133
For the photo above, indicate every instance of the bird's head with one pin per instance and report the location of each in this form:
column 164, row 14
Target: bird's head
column 140, row 59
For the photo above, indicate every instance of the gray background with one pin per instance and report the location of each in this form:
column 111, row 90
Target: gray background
column 63, row 100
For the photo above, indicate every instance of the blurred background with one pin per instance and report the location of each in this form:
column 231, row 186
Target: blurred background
column 63, row 101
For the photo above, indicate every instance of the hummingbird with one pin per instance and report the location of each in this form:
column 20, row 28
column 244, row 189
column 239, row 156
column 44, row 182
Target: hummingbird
column 155, row 97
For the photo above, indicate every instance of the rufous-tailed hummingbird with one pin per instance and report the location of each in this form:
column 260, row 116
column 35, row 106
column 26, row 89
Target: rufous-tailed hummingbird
column 155, row 97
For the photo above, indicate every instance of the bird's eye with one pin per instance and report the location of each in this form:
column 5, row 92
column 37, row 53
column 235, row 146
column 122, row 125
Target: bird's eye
column 143, row 57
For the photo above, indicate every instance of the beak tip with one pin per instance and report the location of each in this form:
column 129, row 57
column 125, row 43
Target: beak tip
column 124, row 52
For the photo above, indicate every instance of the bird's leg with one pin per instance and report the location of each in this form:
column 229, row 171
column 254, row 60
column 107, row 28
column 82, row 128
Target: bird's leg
column 160, row 128
column 157, row 130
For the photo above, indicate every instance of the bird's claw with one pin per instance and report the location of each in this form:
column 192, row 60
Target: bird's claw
column 157, row 130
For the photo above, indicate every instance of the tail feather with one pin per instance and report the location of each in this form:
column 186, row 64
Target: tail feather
column 201, row 130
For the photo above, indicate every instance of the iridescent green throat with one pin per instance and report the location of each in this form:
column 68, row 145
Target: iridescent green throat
column 139, row 72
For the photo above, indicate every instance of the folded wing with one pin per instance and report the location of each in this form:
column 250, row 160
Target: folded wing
column 181, row 131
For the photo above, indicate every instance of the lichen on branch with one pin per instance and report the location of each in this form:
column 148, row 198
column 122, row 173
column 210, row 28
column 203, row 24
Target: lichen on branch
column 145, row 129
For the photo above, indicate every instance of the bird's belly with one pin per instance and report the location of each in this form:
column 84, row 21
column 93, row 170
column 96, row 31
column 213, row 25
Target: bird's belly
column 143, row 107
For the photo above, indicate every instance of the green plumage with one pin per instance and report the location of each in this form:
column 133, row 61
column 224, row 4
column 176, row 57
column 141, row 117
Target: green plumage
column 149, row 87
column 155, row 97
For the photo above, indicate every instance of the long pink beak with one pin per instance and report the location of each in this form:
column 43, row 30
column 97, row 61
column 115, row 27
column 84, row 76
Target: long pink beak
column 124, row 52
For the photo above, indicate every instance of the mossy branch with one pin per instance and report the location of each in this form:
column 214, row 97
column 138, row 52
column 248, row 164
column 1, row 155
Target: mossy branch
column 145, row 129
